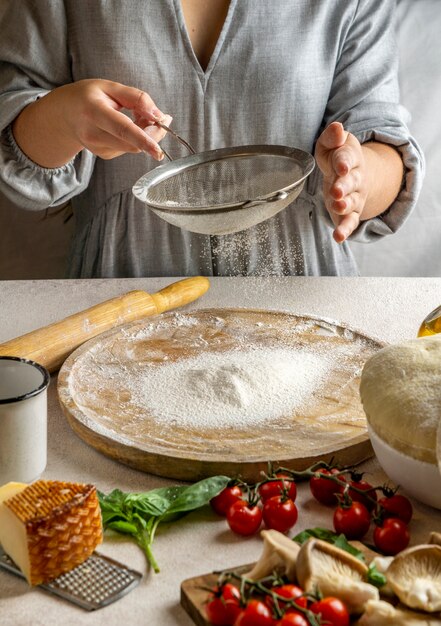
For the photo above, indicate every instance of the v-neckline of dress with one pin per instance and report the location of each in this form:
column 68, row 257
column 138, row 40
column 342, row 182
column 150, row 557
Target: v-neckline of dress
column 204, row 74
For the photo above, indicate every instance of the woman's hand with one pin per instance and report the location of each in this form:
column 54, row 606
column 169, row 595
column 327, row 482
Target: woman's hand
column 346, row 184
column 88, row 114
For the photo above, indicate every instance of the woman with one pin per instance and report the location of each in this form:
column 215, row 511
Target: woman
column 313, row 74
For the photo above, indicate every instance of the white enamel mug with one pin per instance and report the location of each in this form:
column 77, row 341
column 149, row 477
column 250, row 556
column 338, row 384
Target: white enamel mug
column 23, row 419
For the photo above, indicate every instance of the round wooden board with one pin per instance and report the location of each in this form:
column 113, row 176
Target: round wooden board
column 101, row 391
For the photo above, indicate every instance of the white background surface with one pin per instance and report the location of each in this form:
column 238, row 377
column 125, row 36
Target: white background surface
column 389, row 309
column 416, row 249
column 32, row 246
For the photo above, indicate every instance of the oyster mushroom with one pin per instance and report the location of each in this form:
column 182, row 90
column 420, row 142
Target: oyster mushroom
column 382, row 564
column 415, row 577
column 335, row 573
column 435, row 538
column 279, row 554
column 380, row 613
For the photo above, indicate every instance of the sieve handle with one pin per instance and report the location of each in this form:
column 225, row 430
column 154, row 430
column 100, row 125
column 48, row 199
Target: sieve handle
column 280, row 195
column 177, row 137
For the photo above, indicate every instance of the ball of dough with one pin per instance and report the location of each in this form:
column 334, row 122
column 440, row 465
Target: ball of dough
column 400, row 391
column 438, row 447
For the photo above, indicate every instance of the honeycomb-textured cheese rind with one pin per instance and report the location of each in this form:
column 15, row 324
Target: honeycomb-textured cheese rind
column 46, row 498
column 63, row 526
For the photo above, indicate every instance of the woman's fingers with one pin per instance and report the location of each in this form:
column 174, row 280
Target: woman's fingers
column 343, row 186
column 339, row 157
column 348, row 204
column 346, row 226
column 107, row 146
column 102, row 102
column 337, row 151
column 344, row 160
column 155, row 132
column 123, row 128
column 332, row 137
column 135, row 100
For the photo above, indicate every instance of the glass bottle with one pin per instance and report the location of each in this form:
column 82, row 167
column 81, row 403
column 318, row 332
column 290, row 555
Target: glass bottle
column 431, row 324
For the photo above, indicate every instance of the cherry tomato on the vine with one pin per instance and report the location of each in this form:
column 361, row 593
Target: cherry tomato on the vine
column 280, row 513
column 332, row 611
column 228, row 496
column 275, row 488
column 290, row 592
column 244, row 518
column 256, row 613
column 369, row 502
column 323, row 489
column 396, row 506
column 223, row 605
column 293, row 619
column 392, row 536
column 353, row 520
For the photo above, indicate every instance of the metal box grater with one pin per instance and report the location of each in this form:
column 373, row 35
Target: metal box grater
column 97, row 582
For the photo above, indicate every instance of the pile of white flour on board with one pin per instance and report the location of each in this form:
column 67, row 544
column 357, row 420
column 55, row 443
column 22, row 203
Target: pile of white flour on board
column 231, row 389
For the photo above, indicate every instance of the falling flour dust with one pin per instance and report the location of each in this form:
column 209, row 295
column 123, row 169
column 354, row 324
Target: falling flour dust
column 230, row 389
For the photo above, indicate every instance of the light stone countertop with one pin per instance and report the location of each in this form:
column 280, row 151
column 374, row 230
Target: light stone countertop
column 390, row 309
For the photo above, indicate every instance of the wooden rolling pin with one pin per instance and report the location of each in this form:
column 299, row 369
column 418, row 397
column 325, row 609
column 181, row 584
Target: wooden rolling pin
column 52, row 344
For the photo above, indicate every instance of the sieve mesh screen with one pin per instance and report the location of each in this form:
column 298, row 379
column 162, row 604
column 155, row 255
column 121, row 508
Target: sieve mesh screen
column 226, row 181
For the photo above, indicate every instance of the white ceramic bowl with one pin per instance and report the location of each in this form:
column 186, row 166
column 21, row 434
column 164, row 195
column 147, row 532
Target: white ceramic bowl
column 419, row 479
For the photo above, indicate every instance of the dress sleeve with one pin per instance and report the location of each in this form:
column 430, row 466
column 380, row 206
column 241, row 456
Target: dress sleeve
column 34, row 60
column 365, row 98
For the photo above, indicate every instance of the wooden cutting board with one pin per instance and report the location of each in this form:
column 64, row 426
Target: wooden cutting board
column 194, row 593
column 194, row 590
column 117, row 389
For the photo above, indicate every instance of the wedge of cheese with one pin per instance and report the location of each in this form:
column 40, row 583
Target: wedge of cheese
column 49, row 527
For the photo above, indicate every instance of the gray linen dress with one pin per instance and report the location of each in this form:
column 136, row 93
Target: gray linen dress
column 281, row 71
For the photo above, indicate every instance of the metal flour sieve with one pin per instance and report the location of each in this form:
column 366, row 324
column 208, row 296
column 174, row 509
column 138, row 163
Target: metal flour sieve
column 226, row 190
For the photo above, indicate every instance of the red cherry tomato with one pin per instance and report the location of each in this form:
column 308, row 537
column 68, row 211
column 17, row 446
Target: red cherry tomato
column 256, row 613
column 392, row 536
column 397, row 506
column 280, row 513
column 323, row 489
column 369, row 502
column 331, row 611
column 353, row 521
column 228, row 496
column 290, row 592
column 275, row 488
column 293, row 619
column 224, row 606
column 244, row 518
column 216, row 612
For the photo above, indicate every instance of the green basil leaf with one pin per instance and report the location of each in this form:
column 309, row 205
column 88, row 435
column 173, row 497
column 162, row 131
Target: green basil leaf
column 149, row 525
column 155, row 502
column 342, row 542
column 198, row 495
column 375, row 577
column 339, row 541
column 316, row 533
column 112, row 506
column 139, row 514
column 114, row 499
column 123, row 527
column 142, row 521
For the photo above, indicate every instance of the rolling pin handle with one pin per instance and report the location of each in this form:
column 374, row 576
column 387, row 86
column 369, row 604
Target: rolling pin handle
column 180, row 293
